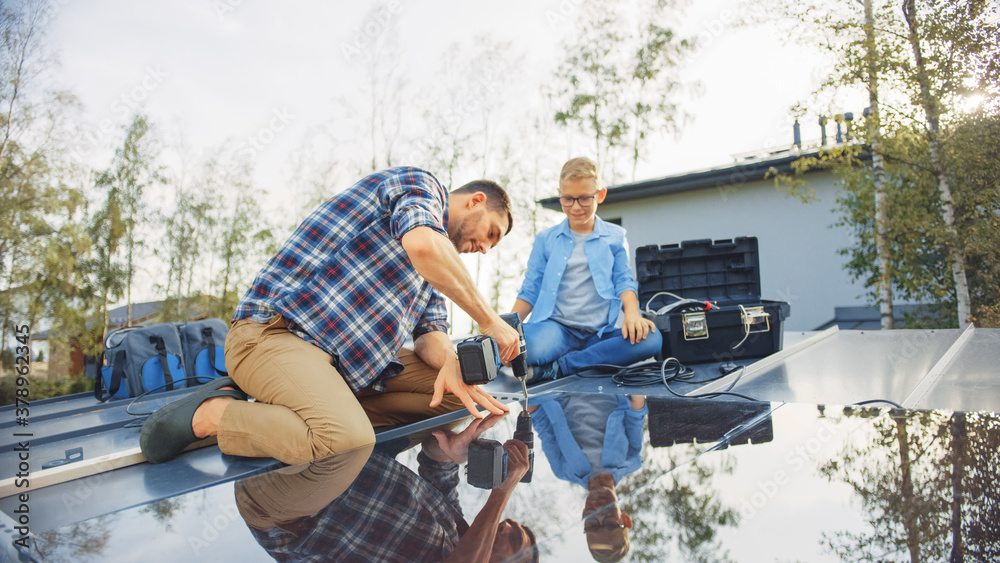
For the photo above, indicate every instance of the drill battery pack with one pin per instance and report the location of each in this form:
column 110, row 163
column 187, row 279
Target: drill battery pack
column 479, row 358
column 487, row 465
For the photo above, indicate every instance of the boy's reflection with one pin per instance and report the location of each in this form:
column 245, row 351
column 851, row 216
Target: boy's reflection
column 594, row 441
column 366, row 506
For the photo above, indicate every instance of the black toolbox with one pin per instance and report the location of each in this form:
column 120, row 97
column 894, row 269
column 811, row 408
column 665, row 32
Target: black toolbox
column 737, row 323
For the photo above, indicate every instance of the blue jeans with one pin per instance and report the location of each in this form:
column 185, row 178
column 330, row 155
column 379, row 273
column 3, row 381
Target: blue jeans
column 548, row 340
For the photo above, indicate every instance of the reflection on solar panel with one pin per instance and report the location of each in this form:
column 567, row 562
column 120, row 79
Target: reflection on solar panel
column 803, row 473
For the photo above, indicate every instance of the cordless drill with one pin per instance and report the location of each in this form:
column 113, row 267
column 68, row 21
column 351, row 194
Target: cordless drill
column 519, row 366
column 479, row 361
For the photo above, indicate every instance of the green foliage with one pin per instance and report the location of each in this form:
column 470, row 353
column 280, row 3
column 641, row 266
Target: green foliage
column 675, row 507
column 45, row 388
column 132, row 170
column 972, row 155
column 920, row 65
column 187, row 239
column 592, row 78
column 40, row 206
column 619, row 79
column 918, row 235
column 245, row 241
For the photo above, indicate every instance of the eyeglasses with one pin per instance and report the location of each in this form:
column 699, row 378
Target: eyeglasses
column 584, row 200
column 606, row 522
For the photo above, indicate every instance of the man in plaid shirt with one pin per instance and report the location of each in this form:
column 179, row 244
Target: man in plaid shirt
column 317, row 339
column 364, row 506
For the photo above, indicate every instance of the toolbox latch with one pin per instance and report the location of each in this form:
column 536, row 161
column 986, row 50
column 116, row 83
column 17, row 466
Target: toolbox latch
column 755, row 319
column 695, row 326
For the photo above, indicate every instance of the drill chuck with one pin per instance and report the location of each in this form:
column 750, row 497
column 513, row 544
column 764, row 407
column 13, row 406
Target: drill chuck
column 518, row 365
column 524, row 433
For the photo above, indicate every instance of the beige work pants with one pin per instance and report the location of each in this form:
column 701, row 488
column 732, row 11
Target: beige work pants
column 304, row 409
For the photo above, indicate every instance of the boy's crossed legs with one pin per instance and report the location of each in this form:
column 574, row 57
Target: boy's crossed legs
column 571, row 349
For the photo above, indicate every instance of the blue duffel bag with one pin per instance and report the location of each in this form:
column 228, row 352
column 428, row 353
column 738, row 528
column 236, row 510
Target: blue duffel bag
column 160, row 357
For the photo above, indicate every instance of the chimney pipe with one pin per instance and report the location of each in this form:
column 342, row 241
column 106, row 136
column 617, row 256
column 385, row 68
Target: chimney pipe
column 839, row 118
column 849, row 118
column 797, row 135
column 822, row 129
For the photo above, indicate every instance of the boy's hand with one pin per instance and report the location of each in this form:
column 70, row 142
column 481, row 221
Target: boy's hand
column 636, row 328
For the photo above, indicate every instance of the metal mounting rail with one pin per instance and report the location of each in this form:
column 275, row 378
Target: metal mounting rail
column 936, row 372
column 763, row 364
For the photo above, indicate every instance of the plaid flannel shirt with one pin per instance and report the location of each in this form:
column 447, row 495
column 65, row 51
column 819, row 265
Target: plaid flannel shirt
column 343, row 282
column 388, row 514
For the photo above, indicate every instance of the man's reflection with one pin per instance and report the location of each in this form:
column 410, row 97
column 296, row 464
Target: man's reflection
column 366, row 506
column 594, row 441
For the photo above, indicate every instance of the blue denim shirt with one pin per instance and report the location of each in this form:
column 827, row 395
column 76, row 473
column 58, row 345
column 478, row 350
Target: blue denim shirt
column 622, row 454
column 607, row 253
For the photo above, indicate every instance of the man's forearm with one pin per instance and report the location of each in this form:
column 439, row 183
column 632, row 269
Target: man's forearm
column 434, row 348
column 477, row 543
column 437, row 261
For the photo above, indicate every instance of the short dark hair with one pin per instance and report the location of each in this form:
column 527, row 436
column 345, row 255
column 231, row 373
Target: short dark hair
column 532, row 545
column 497, row 200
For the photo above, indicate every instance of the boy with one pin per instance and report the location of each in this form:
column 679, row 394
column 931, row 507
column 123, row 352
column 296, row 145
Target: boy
column 577, row 285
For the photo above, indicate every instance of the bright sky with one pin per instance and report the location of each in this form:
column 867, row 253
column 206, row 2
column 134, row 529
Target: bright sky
column 223, row 70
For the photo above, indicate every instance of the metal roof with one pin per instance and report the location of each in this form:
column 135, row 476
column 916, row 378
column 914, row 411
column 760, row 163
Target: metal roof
column 749, row 170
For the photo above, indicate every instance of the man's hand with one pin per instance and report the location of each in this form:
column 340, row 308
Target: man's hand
column 456, row 446
column 517, row 464
column 507, row 340
column 449, row 379
column 635, row 327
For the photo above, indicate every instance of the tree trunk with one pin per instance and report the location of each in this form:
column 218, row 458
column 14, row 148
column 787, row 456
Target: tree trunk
column 959, row 439
column 908, row 514
column 128, row 286
column 107, row 320
column 878, row 173
column 956, row 253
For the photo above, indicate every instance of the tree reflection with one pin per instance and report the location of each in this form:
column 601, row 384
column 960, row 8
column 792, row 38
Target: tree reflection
column 675, row 505
column 88, row 540
column 163, row 510
column 84, row 541
column 927, row 481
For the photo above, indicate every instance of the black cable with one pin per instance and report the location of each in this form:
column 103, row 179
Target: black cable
column 164, row 386
column 652, row 373
column 713, row 394
column 637, row 375
column 873, row 401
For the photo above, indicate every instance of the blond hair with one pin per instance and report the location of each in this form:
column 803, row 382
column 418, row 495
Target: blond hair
column 580, row 168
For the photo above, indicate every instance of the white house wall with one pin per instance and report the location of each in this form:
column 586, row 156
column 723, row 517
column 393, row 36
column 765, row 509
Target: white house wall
column 799, row 261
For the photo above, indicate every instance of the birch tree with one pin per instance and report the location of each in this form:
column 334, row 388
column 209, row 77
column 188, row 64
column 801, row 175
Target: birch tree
column 132, row 170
